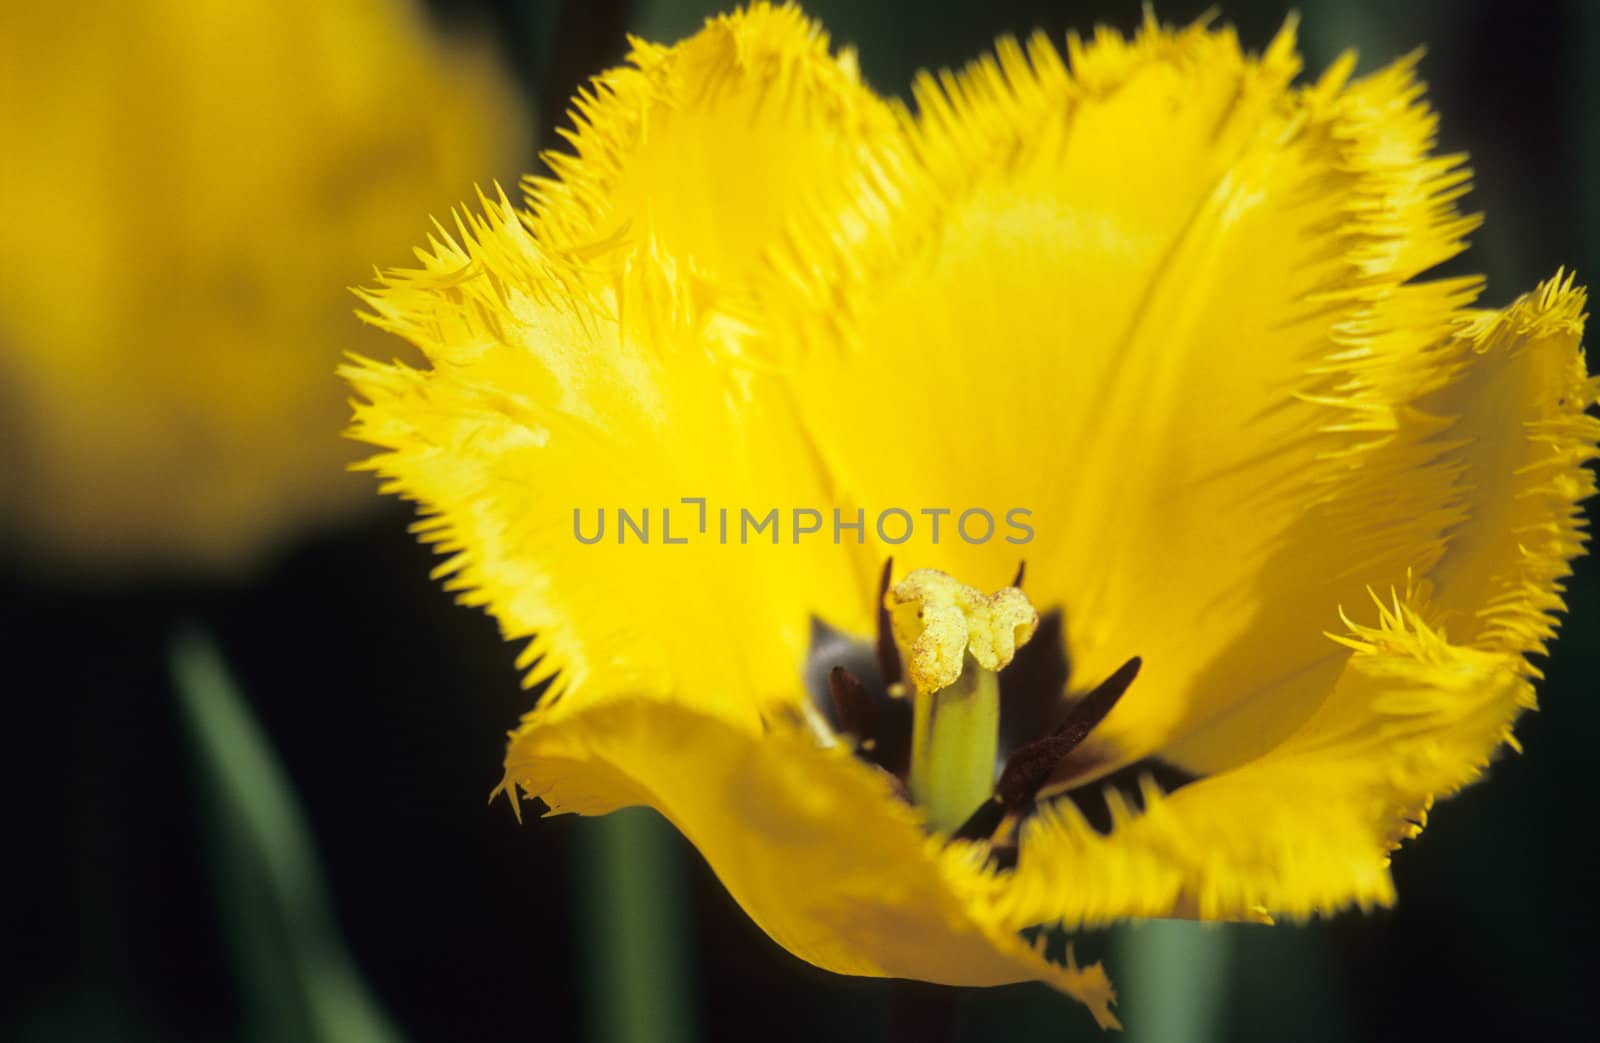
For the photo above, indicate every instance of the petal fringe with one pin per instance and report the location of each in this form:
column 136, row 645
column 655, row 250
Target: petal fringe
column 590, row 356
column 1520, row 445
column 1304, row 830
column 547, row 410
column 700, row 154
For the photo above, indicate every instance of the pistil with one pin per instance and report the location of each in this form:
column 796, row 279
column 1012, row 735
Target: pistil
column 954, row 641
column 955, row 740
column 956, row 684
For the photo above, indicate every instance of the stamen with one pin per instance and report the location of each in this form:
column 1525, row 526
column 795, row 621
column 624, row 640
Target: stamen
column 863, row 708
column 1029, row 768
column 888, row 654
column 852, row 705
column 982, row 685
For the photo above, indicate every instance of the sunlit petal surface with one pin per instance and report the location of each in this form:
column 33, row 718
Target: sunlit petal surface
column 601, row 355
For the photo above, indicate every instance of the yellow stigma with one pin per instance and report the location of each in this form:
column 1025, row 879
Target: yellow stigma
column 954, row 641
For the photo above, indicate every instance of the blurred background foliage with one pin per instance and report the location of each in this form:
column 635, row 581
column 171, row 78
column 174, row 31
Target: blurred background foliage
column 301, row 850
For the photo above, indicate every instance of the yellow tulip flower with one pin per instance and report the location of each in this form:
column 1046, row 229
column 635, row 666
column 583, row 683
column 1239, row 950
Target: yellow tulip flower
column 187, row 189
column 749, row 418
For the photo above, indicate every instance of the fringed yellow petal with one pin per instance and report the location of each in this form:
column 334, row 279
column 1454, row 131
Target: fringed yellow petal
column 811, row 842
column 702, row 153
column 547, row 413
column 1189, row 352
column 586, row 360
column 1520, row 443
column 1304, row 830
column 187, row 188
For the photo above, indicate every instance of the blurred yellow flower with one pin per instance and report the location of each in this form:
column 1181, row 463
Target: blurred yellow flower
column 188, row 188
column 1148, row 317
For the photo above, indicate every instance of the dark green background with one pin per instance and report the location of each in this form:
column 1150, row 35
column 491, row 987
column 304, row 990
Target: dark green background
column 388, row 706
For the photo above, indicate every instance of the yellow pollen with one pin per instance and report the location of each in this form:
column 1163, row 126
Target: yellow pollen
column 936, row 619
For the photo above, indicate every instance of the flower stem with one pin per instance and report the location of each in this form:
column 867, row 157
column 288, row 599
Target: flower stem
column 1177, row 976
column 630, row 871
column 955, row 736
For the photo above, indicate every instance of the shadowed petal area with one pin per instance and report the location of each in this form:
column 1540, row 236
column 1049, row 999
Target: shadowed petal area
column 1523, row 432
column 1498, row 434
column 810, row 841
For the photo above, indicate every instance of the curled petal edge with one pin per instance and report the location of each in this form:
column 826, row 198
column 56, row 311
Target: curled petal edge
column 811, row 842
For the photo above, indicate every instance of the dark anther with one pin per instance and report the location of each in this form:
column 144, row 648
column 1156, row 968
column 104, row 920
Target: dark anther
column 864, row 708
column 888, row 654
column 1029, row 767
column 852, row 705
column 853, row 685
